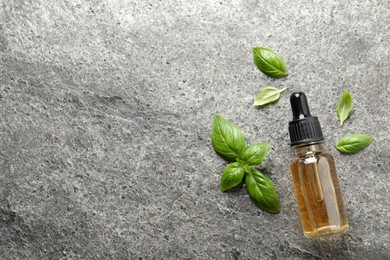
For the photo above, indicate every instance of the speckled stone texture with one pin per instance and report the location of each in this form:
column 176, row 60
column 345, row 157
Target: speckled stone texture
column 106, row 111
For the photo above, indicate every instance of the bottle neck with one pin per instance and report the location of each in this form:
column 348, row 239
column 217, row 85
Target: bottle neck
column 305, row 149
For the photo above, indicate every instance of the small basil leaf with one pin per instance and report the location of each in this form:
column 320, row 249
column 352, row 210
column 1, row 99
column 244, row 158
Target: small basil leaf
column 262, row 192
column 353, row 143
column 231, row 176
column 240, row 162
column 247, row 169
column 227, row 139
column 269, row 62
column 344, row 107
column 268, row 95
column 255, row 154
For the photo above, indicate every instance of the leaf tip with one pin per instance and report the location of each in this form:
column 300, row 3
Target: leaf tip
column 273, row 210
column 216, row 116
column 255, row 49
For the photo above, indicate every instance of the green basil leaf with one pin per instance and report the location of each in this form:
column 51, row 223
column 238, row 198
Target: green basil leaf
column 227, row 139
column 231, row 176
column 262, row 192
column 240, row 162
column 353, row 143
column 344, row 107
column 268, row 95
column 247, row 169
column 255, row 154
column 269, row 62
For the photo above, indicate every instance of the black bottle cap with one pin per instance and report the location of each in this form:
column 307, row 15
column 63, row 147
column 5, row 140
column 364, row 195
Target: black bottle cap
column 304, row 128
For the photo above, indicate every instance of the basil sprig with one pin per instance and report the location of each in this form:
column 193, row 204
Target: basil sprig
column 270, row 63
column 353, row 143
column 344, row 107
column 229, row 142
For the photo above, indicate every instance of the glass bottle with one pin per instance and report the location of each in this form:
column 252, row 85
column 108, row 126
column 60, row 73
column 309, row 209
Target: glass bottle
column 314, row 175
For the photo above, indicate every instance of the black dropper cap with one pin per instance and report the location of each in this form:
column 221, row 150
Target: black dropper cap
column 304, row 128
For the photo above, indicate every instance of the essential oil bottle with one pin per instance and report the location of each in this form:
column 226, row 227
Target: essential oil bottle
column 314, row 175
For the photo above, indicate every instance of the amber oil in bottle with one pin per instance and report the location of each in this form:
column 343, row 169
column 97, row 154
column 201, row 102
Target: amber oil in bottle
column 314, row 175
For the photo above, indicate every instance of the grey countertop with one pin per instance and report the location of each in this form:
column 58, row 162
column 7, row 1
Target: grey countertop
column 106, row 111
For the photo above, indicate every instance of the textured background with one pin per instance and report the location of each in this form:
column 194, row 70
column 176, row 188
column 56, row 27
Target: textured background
column 106, row 111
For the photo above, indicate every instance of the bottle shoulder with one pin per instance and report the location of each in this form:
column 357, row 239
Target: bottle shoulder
column 312, row 157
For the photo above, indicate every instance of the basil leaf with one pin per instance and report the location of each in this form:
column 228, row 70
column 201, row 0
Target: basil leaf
column 227, row 139
column 344, row 107
column 247, row 169
column 255, row 153
column 353, row 143
column 269, row 62
column 240, row 162
column 268, row 95
column 231, row 176
column 262, row 192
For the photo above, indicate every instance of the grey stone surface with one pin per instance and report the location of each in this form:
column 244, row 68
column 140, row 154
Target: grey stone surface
column 106, row 111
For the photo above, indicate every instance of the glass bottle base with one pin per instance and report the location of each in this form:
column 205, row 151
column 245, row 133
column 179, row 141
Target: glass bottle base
column 327, row 231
